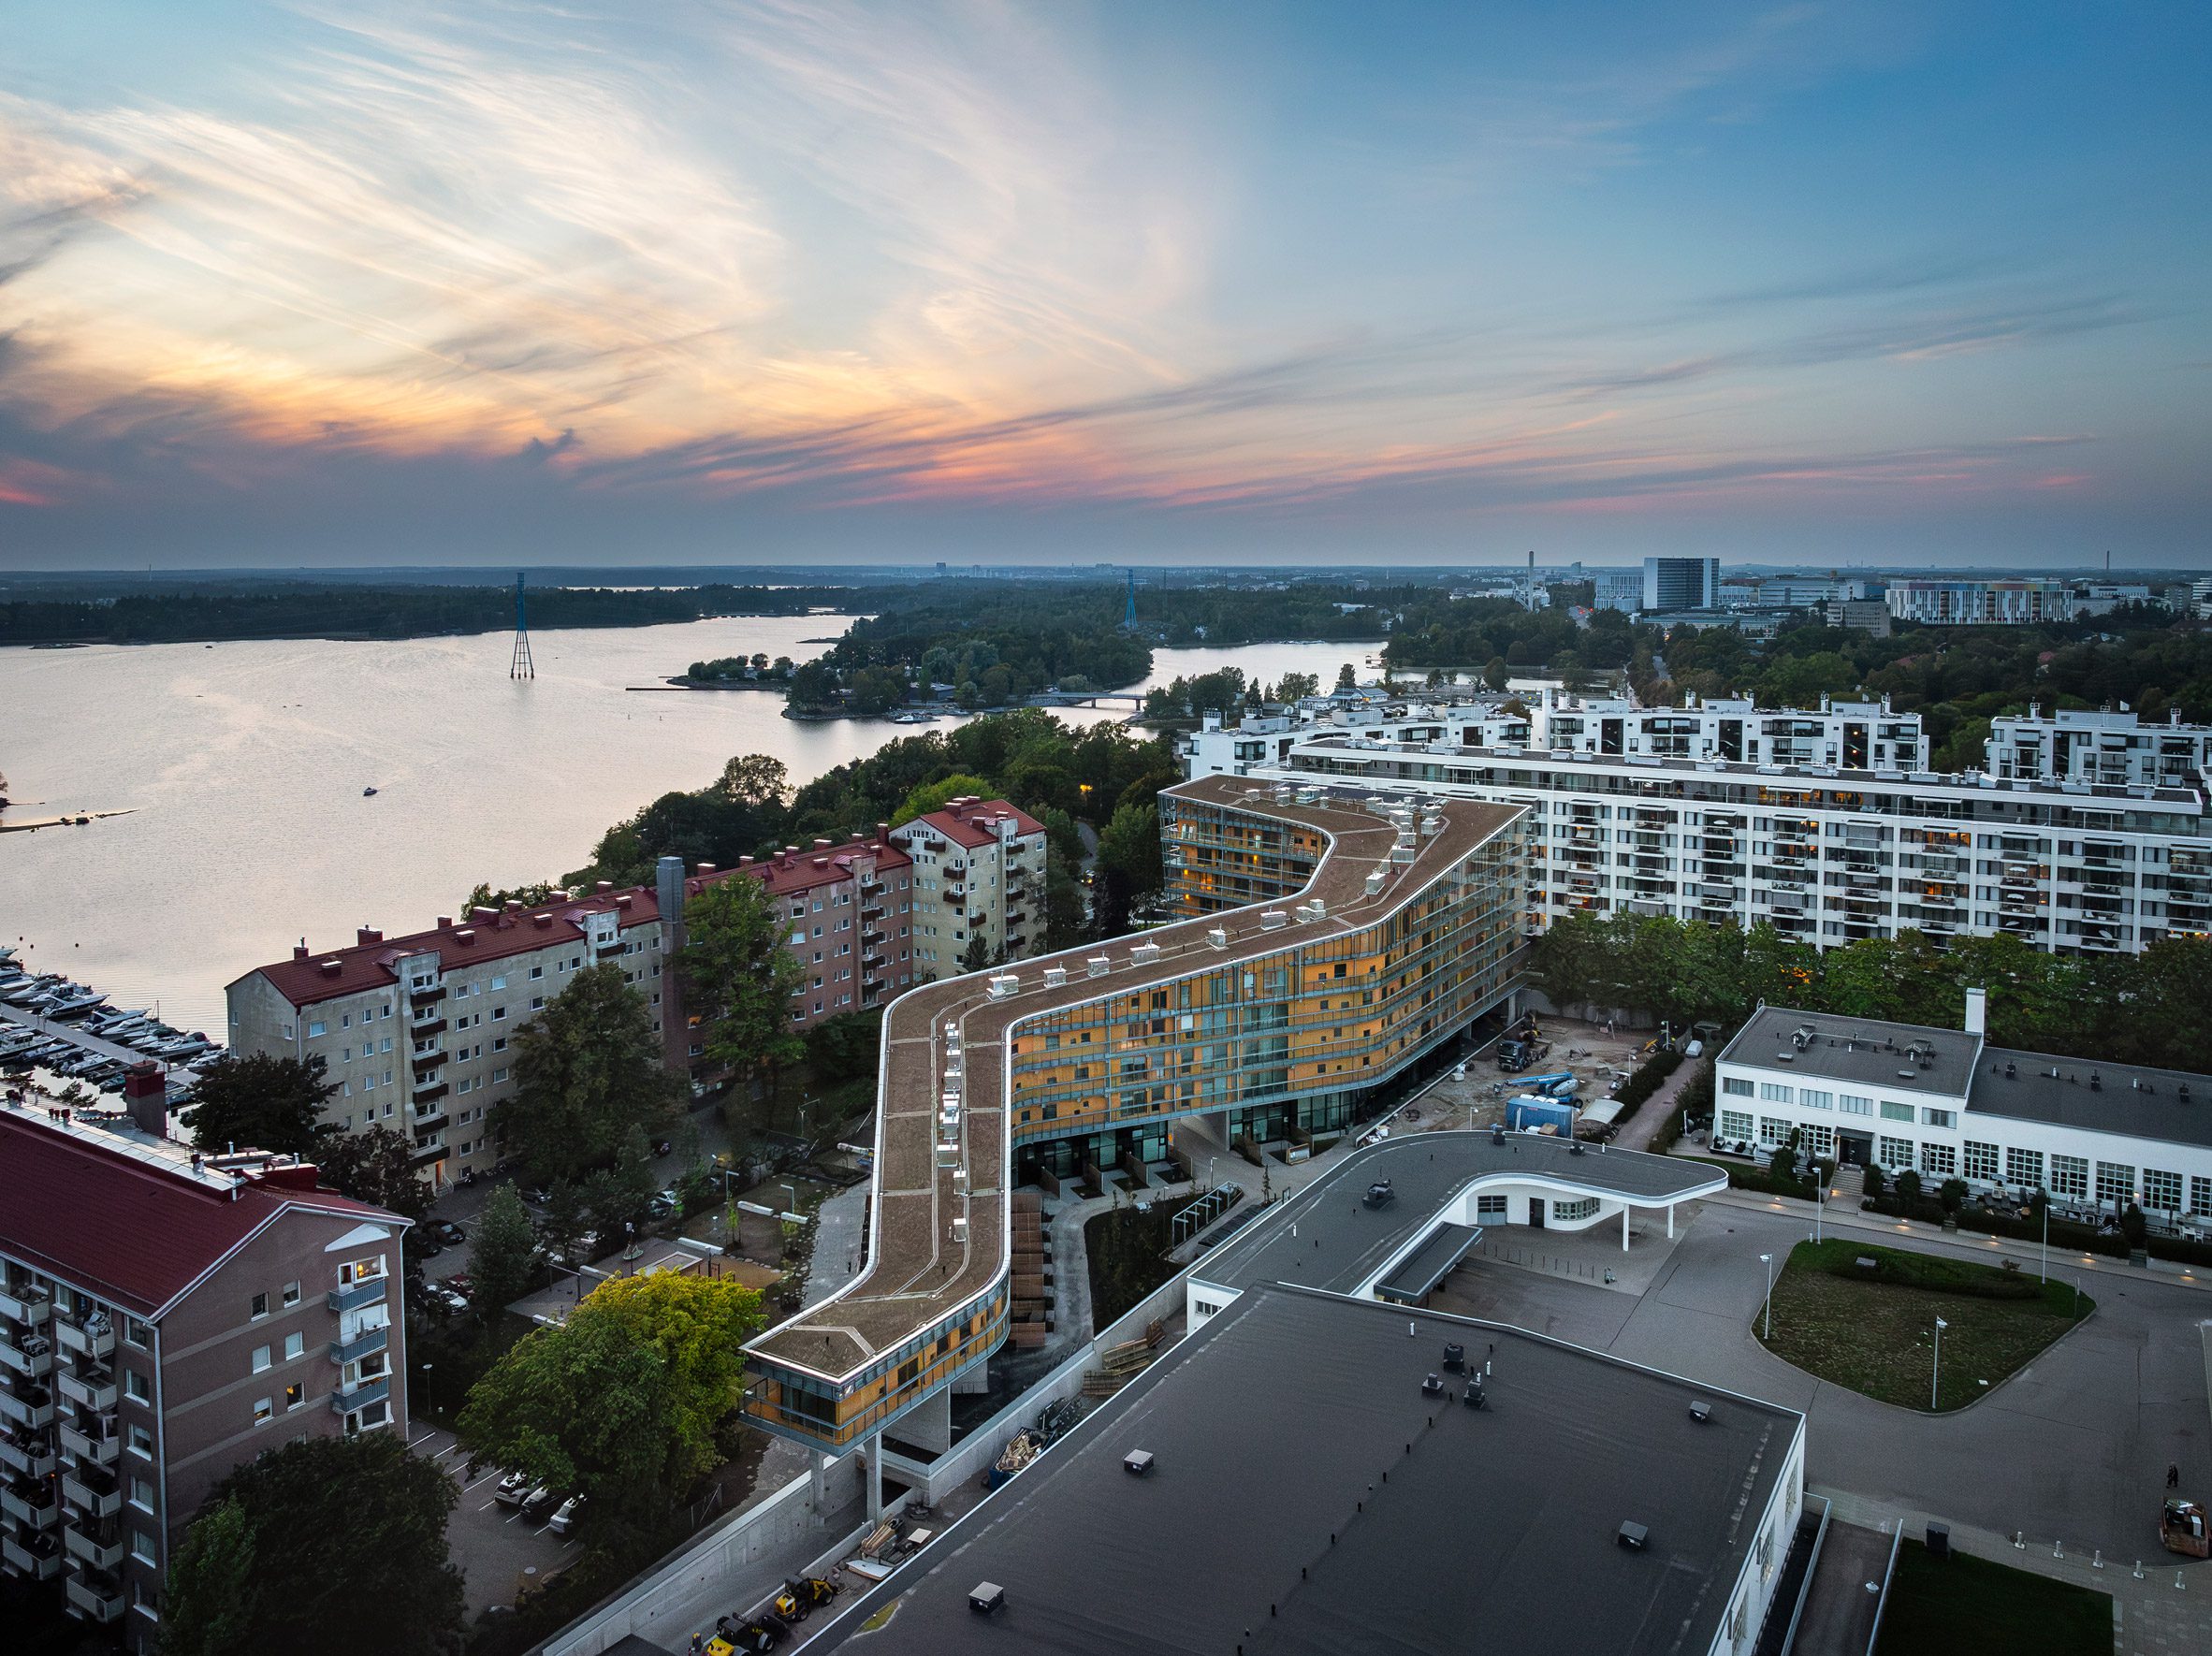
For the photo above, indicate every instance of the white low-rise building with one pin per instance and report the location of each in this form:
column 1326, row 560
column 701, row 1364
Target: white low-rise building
column 2113, row 747
column 1947, row 1104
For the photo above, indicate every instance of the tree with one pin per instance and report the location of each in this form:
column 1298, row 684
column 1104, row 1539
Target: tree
column 1345, row 678
column 618, row 1196
column 564, row 1217
column 1952, row 1194
column 214, row 1594
column 259, row 1102
column 374, row 1165
column 502, row 1254
column 976, row 957
column 934, row 796
column 1296, row 686
column 586, row 1070
column 623, row 1401
column 342, row 1541
column 844, row 1047
column 740, row 975
column 1908, row 1187
column 1873, row 1181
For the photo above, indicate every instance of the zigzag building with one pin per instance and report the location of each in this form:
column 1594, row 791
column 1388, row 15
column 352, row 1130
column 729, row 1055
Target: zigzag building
column 1825, row 853
column 1399, row 926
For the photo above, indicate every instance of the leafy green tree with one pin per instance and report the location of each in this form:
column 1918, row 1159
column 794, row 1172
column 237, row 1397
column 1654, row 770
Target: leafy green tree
column 259, row 1102
column 1908, row 1187
column 587, row 1071
column 618, row 1196
column 1346, row 679
column 739, row 975
column 214, row 1594
column 343, row 1542
column 565, row 1215
column 623, row 1403
column 502, row 1251
column 374, row 1165
column 934, row 796
column 1297, row 687
column 844, row 1047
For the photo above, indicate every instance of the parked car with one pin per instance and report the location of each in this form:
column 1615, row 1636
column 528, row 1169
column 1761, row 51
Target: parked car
column 563, row 1520
column 513, row 1488
column 461, row 1283
column 447, row 1231
column 541, row 1504
column 662, row 1206
column 443, row 1300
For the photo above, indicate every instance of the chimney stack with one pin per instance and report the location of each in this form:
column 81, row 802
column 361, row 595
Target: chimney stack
column 1977, row 1013
column 368, row 934
column 299, row 951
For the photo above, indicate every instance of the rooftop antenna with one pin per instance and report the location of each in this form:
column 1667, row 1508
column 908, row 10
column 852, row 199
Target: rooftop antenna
column 522, row 667
column 1128, row 613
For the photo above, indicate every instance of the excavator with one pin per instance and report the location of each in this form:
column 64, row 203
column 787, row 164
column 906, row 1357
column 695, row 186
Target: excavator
column 2181, row 1526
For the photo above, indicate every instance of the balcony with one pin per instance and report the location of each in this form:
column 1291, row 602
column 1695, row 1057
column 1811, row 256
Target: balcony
column 28, row 1405
column 92, row 1437
column 27, row 1305
column 425, row 1091
column 90, row 1543
column 90, row 1388
column 427, row 1122
column 94, row 1493
column 100, row 1597
column 361, row 1346
column 18, row 1502
column 92, row 1337
column 27, row 1454
column 425, row 994
column 367, row 1392
column 39, row 1558
column 29, row 1355
column 427, row 1028
column 371, row 1292
column 870, row 938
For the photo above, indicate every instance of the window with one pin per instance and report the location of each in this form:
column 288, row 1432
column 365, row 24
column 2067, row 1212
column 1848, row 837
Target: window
column 295, row 1396
column 1820, row 1140
column 1939, row 1160
column 142, row 1546
column 1581, row 1208
column 1773, row 1131
column 1773, row 1092
column 1736, row 1124
column 1737, row 1087
column 137, row 1388
column 264, row 1410
column 1491, row 1207
column 260, row 1308
column 2200, row 1194
column 2070, row 1176
column 2023, row 1166
column 1981, row 1161
column 316, row 1029
column 1812, row 1098
column 141, row 1441
column 1939, row 1118
column 136, row 1333
column 141, row 1494
column 260, row 1358
column 2116, row 1182
column 536, row 972
column 291, row 1295
column 2161, row 1190
column 1896, row 1112
column 1852, row 1104
column 294, row 1345
column 1893, row 1153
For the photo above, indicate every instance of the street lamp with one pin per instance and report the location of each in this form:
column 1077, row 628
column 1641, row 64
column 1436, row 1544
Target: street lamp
column 1768, row 1260
column 425, row 1389
column 1820, row 1195
column 1936, row 1369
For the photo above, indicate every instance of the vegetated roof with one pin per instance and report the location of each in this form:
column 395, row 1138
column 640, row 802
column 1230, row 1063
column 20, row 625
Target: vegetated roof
column 2125, row 1098
column 1863, row 1052
column 124, row 1227
column 1307, row 1496
column 1327, row 1237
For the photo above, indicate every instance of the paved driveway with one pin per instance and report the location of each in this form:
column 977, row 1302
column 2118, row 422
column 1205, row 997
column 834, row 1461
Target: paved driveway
column 2074, row 1448
column 493, row 1546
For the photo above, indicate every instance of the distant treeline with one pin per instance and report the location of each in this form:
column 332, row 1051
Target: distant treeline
column 383, row 612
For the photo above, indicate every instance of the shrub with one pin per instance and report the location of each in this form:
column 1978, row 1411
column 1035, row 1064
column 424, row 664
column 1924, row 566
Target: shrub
column 1908, row 1187
column 1875, row 1182
column 1952, row 1194
column 1926, row 1270
column 1645, row 1082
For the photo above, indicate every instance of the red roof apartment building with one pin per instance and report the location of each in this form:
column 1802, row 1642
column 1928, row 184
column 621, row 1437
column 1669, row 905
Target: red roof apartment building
column 978, row 873
column 164, row 1316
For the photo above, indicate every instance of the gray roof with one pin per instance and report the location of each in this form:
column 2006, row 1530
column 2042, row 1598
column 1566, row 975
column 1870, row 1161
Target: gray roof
column 1425, row 1267
column 1341, row 1241
column 2126, row 1098
column 1858, row 1052
column 1306, row 1497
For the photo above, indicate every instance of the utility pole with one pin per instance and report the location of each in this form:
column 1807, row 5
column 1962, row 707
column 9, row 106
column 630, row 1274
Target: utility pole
column 523, row 667
column 1768, row 1332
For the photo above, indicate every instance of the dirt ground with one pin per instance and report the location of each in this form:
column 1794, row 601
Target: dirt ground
column 1586, row 1049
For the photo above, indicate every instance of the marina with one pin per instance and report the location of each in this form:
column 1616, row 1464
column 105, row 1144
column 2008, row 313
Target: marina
column 50, row 1024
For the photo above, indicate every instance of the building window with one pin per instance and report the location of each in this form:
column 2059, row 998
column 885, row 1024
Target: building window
column 1981, row 1161
column 1893, row 1153
column 1737, row 1087
column 1939, row 1160
column 136, row 1388
column 294, row 1345
column 1852, row 1104
column 2023, row 1166
column 260, row 1358
column 141, row 1494
column 1820, row 1140
column 1896, row 1112
column 2200, row 1194
column 1580, row 1208
column 142, row 1546
column 316, row 1029
column 264, row 1410
column 1491, row 1207
column 136, row 1333
column 1773, row 1092
column 2161, row 1190
column 1812, row 1098
column 2070, row 1176
column 2116, row 1182
column 1939, row 1118
column 291, row 1295
column 141, row 1441
column 260, row 1308
column 295, row 1396
column 1735, row 1124
column 1773, row 1131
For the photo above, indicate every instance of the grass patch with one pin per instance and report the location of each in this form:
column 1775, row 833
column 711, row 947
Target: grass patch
column 1128, row 1256
column 1873, row 1331
column 1967, row 1607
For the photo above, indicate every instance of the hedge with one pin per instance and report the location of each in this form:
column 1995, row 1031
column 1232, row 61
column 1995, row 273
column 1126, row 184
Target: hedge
column 2067, row 1238
column 1645, row 1082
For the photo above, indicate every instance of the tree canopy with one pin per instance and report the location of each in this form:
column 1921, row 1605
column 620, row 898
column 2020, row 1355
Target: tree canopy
column 740, row 975
column 587, row 1071
column 259, row 1102
column 502, row 1251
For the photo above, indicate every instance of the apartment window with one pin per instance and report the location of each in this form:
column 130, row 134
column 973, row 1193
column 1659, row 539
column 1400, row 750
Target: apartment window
column 1893, row 1153
column 536, row 972
column 1981, row 1160
column 498, row 1076
column 294, row 1345
column 260, row 1307
column 295, row 1396
column 1939, row 1118
column 1820, row 1140
column 1737, row 1087
column 1773, row 1131
column 1771, row 1092
column 316, row 1029
column 500, row 1045
column 261, row 1358
column 1852, row 1104
column 136, row 1333
column 499, row 1014
column 2161, row 1190
column 1735, row 1124
column 141, row 1441
column 2116, row 1182
column 1896, row 1112
column 2023, row 1166
column 136, row 1386
column 2070, row 1176
column 1938, row 1160
column 537, row 1003
column 499, row 983
column 1811, row 1098
column 291, row 1295
column 142, row 1546
column 2200, row 1194
column 141, row 1494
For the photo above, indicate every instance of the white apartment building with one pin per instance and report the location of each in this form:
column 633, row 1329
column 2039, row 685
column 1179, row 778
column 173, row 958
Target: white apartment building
column 1859, row 736
column 978, row 872
column 2110, row 748
column 1681, row 583
column 1980, row 603
column 415, row 1031
column 1825, row 854
column 1946, row 1104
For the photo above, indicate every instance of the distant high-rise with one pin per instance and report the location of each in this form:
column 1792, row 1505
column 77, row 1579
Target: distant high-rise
column 1681, row 583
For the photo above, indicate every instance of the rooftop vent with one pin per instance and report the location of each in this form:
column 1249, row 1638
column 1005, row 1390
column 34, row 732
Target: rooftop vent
column 1473, row 1396
column 1056, row 977
column 1701, row 1412
column 1137, row 1463
column 2096, row 1081
column 1634, row 1536
column 1099, row 966
column 1433, row 1386
column 1219, row 938
column 1455, row 1359
column 987, row 1596
column 1274, row 920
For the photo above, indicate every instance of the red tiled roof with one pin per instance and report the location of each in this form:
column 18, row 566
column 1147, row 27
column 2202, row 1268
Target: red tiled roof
column 803, row 870
column 974, row 823
column 133, row 1232
column 373, row 965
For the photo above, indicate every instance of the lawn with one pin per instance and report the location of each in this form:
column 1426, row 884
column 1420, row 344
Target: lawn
column 1965, row 1606
column 1127, row 1257
column 1872, row 1330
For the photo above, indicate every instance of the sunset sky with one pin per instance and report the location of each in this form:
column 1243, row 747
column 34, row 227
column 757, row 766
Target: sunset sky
column 1190, row 281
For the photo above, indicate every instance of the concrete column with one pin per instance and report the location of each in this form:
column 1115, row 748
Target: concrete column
column 1624, row 1227
column 874, row 1451
column 1671, row 1221
column 820, row 1465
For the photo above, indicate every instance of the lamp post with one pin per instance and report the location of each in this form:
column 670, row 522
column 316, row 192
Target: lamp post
column 1820, row 1197
column 2047, row 1237
column 425, row 1391
column 1936, row 1369
column 1768, row 1331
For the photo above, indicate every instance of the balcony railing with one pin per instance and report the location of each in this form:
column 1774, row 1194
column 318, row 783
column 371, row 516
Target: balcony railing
column 423, row 1028
column 39, row 1558
column 30, row 1305
column 98, row 1597
column 28, row 1405
column 91, row 1437
column 42, row 1513
column 367, row 1392
column 89, row 1389
column 371, row 1292
column 95, row 1492
column 31, row 1456
column 361, row 1346
column 92, row 1337
column 88, row 1544
column 29, row 1355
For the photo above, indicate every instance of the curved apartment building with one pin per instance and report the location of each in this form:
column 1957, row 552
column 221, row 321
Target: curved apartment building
column 1399, row 924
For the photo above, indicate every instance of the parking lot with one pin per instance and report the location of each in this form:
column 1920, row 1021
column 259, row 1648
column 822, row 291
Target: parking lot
column 495, row 1547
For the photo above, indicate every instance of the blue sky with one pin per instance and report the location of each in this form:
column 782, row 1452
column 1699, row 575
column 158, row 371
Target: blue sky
column 754, row 281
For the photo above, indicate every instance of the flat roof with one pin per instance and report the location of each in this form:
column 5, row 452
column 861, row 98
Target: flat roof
column 1327, row 1237
column 917, row 1271
column 1426, row 1266
column 1307, row 1497
column 2136, row 1103
column 1863, row 1052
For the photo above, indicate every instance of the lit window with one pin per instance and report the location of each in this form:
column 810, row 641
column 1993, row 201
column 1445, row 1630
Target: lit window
column 263, row 1410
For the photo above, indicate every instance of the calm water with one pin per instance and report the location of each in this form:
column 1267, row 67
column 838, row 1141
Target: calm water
column 244, row 763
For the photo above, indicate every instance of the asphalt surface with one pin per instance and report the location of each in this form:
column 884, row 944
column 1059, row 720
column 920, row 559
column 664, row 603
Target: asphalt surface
column 493, row 1546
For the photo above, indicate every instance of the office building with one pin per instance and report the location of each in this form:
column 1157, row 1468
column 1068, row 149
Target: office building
column 1980, row 603
column 1397, row 929
column 1870, row 615
column 2114, row 749
column 1947, row 1104
column 165, row 1316
column 1681, row 583
column 1618, row 588
column 979, row 878
column 1824, row 853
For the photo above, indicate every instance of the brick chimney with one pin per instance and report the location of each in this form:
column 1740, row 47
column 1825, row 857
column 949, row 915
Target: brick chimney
column 368, row 934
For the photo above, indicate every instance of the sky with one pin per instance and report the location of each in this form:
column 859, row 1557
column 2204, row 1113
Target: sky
column 292, row 285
